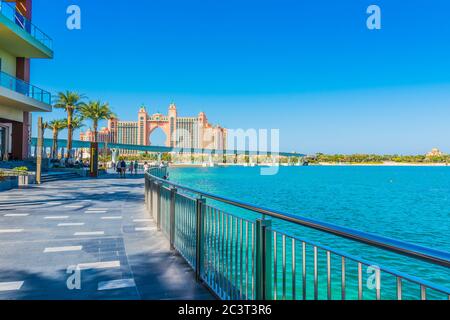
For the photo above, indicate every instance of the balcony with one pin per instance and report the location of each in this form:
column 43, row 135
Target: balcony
column 21, row 37
column 19, row 94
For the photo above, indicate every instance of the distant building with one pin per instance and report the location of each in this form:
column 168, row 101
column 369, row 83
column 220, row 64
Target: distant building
column 103, row 135
column 435, row 152
column 181, row 132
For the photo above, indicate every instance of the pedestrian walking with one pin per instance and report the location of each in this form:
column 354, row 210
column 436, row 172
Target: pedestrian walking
column 131, row 167
column 123, row 169
column 136, row 167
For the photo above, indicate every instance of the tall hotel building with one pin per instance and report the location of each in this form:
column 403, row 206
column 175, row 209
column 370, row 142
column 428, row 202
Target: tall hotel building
column 20, row 40
column 181, row 132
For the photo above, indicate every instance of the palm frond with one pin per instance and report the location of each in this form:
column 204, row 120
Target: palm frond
column 77, row 122
column 96, row 111
column 69, row 100
column 57, row 125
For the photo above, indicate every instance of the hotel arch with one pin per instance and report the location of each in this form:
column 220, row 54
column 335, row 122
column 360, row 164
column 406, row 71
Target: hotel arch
column 181, row 132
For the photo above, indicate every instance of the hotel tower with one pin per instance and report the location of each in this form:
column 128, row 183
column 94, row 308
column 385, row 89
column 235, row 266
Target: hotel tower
column 181, row 132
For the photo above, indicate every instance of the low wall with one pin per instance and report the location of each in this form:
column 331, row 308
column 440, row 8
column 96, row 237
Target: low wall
column 18, row 179
column 9, row 183
column 80, row 171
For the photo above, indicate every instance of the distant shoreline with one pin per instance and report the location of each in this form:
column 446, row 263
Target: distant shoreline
column 384, row 164
column 324, row 164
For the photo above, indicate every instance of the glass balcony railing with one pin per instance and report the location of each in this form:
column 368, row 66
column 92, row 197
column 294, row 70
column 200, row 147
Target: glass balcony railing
column 22, row 87
column 10, row 12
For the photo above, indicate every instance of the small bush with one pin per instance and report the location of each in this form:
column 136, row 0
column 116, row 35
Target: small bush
column 20, row 171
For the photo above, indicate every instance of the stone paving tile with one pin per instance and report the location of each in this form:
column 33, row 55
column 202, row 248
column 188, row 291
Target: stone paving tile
column 144, row 255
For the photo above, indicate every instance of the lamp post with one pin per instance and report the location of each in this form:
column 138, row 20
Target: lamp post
column 39, row 151
column 93, row 172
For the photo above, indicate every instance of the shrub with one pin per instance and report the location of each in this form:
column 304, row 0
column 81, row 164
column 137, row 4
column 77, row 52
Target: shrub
column 20, row 171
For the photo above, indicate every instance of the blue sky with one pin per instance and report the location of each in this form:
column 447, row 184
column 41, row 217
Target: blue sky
column 310, row 68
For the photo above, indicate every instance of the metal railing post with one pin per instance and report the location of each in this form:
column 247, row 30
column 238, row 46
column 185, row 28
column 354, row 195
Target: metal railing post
column 154, row 200
column 263, row 245
column 150, row 198
column 173, row 194
column 158, row 205
column 200, row 202
column 146, row 192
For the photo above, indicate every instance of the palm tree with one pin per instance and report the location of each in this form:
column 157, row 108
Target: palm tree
column 56, row 126
column 96, row 111
column 71, row 103
column 77, row 123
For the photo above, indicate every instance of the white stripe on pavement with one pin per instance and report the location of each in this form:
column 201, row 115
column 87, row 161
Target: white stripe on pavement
column 99, row 265
column 63, row 249
column 145, row 229
column 9, row 286
column 71, row 224
column 93, row 233
column 56, row 217
column 17, row 215
column 116, row 284
column 11, row 230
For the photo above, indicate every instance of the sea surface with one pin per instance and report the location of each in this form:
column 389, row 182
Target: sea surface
column 406, row 203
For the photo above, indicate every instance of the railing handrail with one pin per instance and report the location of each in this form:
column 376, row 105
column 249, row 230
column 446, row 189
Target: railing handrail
column 45, row 36
column 25, row 83
column 164, row 149
column 430, row 255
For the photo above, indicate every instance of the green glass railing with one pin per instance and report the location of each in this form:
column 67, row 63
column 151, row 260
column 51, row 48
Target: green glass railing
column 22, row 87
column 249, row 256
column 9, row 11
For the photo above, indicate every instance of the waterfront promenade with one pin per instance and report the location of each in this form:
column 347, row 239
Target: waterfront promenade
column 98, row 226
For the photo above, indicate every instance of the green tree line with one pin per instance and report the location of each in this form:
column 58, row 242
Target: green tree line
column 374, row 158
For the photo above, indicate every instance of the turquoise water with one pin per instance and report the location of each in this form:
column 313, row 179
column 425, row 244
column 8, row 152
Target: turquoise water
column 407, row 203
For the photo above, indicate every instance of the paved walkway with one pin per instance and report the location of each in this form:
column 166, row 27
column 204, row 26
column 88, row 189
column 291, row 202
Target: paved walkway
column 99, row 227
